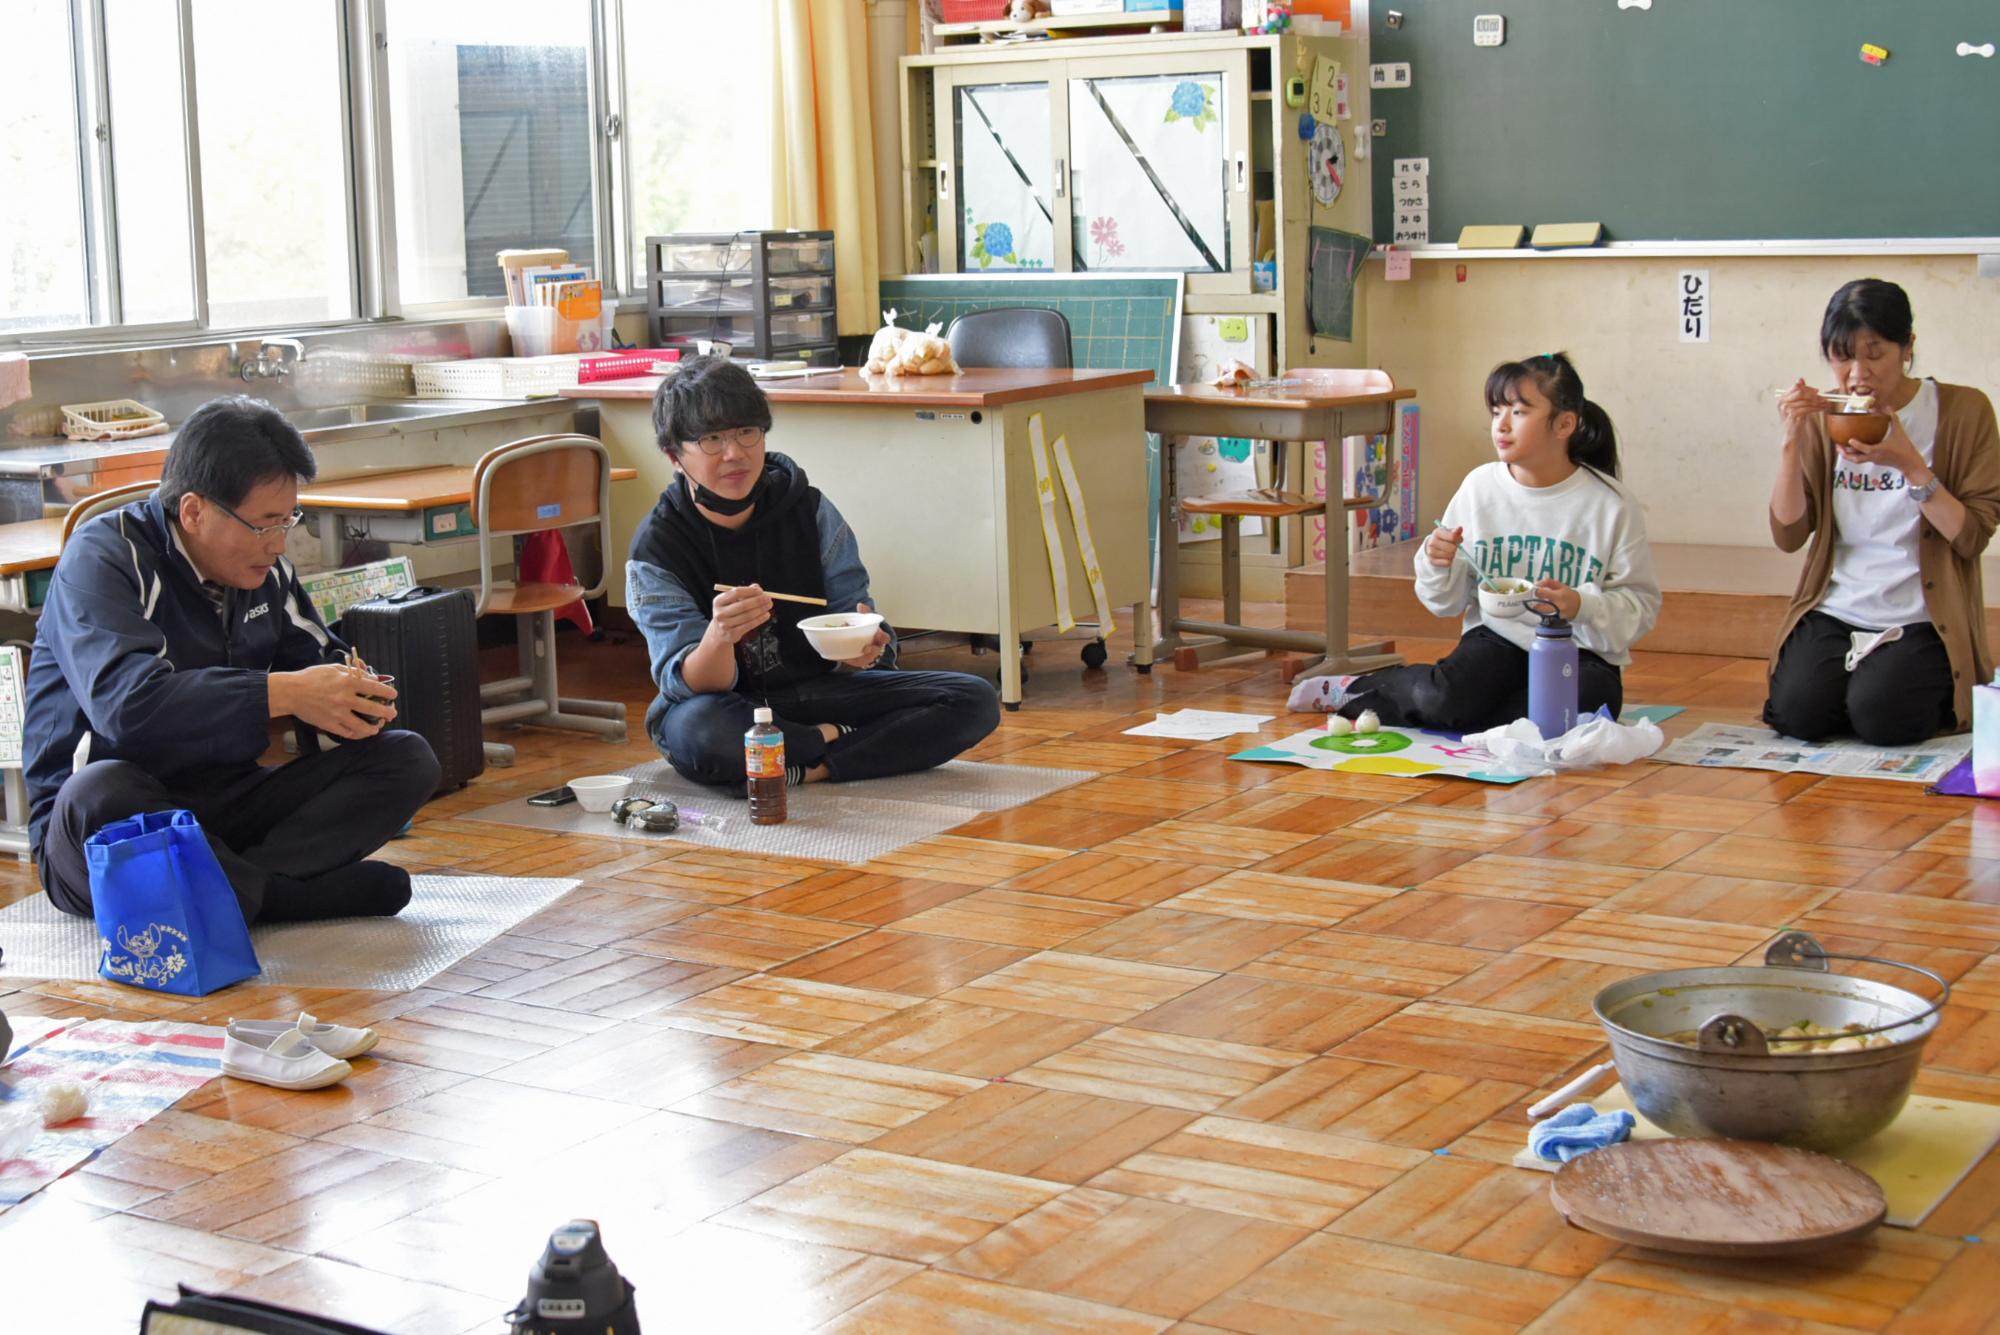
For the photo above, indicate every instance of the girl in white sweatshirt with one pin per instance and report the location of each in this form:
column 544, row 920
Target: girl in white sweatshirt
column 1551, row 511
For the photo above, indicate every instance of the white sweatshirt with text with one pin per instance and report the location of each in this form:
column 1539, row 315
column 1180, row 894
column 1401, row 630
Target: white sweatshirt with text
column 1586, row 531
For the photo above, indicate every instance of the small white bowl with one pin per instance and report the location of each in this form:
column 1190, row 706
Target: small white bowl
column 1508, row 603
column 596, row 792
column 840, row 636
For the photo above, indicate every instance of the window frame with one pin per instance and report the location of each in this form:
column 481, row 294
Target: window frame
column 370, row 190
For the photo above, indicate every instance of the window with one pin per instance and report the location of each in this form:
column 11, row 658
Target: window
column 41, row 208
column 274, row 195
column 490, row 118
column 698, row 119
column 149, row 163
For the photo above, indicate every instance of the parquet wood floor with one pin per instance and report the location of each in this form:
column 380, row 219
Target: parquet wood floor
column 1195, row 1045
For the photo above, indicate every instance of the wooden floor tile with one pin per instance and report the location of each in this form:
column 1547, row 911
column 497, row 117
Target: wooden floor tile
column 1303, row 1179
column 1207, row 845
column 1921, row 872
column 1644, row 942
column 1910, row 919
column 1482, row 1211
column 1042, row 1133
column 1446, row 827
column 1126, row 1252
column 908, row 962
column 1343, row 857
column 474, row 1035
column 979, row 1041
column 850, row 895
column 1267, row 898
column 1681, row 894
column 1473, row 921
column 891, row 1205
column 1080, row 987
column 1014, row 918
column 1548, row 985
column 1674, row 811
column 1171, row 1070
column 828, row 1097
column 790, row 1012
column 1354, row 959
column 1109, row 879
column 1606, row 841
column 1162, row 799
column 1741, row 785
column 610, row 983
column 1849, row 824
column 1481, row 1044
column 1059, row 821
column 1293, row 1016
column 1576, row 885
column 1330, row 1283
column 739, row 938
column 641, row 1063
column 594, row 916
column 716, row 876
column 1549, row 797
column 1779, row 859
column 938, row 1301
column 384, row 1302
column 972, row 862
column 1394, row 1104
column 1190, row 940
column 374, row 1086
column 484, row 1126
column 1592, row 1306
column 716, row 1278
column 1295, row 813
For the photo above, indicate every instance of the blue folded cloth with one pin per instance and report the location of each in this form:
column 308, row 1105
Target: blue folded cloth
column 1577, row 1129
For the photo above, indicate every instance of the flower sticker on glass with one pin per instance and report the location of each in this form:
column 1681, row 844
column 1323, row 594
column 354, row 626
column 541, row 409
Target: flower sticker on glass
column 1104, row 235
column 1193, row 102
column 993, row 241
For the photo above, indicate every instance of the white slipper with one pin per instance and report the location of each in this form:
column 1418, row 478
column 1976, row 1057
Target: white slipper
column 286, row 1060
column 335, row 1040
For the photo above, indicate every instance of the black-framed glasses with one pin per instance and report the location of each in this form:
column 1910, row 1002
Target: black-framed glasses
column 267, row 531
column 745, row 438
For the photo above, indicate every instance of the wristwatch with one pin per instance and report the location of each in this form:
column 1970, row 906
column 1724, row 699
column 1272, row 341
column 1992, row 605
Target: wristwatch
column 1922, row 495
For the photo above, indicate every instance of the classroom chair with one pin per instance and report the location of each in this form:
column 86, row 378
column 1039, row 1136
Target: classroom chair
column 89, row 507
column 1017, row 336
column 1275, row 503
column 531, row 486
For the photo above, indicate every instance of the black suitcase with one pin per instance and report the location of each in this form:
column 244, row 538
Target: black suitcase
column 428, row 640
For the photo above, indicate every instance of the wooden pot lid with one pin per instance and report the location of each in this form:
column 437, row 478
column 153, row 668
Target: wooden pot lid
column 1718, row 1197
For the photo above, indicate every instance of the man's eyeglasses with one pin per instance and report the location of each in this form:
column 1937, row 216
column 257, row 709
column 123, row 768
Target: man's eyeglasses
column 265, row 532
column 745, row 438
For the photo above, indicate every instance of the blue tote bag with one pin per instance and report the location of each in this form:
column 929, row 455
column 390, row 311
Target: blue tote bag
column 166, row 917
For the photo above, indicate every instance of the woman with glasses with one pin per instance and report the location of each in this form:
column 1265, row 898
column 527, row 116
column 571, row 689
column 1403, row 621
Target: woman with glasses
column 174, row 632
column 743, row 518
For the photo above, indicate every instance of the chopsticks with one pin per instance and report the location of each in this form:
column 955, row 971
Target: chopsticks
column 781, row 597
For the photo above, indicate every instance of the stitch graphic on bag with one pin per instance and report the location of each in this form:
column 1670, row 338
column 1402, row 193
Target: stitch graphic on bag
column 143, row 965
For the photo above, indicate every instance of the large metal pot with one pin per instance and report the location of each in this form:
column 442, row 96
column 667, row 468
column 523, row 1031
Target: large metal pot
column 1727, row 1082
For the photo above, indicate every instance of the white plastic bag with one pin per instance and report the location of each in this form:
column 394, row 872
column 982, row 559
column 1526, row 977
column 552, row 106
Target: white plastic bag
column 1598, row 740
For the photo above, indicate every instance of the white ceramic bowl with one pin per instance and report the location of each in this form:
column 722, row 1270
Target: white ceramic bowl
column 596, row 792
column 840, row 636
column 1507, row 603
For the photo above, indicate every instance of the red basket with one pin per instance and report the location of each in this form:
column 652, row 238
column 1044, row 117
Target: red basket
column 972, row 11
column 617, row 366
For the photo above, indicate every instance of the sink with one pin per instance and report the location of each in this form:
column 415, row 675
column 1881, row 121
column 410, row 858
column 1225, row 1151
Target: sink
column 363, row 414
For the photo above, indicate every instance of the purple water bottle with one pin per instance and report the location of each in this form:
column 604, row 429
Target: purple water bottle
column 1552, row 667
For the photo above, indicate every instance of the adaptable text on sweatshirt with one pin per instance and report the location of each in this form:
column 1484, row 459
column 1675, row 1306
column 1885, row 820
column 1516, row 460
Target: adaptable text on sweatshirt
column 1585, row 531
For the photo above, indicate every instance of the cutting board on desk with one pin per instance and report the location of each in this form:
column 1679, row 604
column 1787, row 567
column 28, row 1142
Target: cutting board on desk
column 1718, row 1197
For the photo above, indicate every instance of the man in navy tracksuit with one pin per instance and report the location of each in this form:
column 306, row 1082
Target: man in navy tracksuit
column 174, row 632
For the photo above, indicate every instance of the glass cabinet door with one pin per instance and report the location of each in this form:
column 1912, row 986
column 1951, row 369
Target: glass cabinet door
column 1159, row 168
column 998, row 181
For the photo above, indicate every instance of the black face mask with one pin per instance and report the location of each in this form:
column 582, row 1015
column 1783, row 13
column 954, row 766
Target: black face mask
column 722, row 505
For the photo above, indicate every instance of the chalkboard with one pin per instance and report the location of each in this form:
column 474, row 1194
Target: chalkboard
column 1117, row 322
column 1698, row 119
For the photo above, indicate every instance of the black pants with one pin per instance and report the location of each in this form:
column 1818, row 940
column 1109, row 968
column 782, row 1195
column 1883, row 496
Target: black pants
column 903, row 721
column 1481, row 684
column 1900, row 693
column 273, row 828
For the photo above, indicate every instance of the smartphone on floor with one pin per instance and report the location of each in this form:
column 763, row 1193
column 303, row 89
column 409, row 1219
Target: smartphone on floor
column 554, row 797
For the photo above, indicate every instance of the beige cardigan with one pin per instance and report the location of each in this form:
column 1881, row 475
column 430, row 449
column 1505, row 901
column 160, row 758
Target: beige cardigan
column 1967, row 462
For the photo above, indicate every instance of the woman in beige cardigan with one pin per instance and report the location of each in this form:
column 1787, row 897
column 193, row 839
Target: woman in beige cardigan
column 1887, row 632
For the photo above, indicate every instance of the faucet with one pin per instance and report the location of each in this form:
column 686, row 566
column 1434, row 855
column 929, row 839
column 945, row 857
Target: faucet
column 275, row 359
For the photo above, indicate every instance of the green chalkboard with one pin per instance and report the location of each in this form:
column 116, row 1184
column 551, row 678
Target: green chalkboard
column 1697, row 119
column 1116, row 322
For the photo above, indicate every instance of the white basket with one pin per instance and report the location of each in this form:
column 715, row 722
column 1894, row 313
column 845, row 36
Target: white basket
column 111, row 419
column 496, row 377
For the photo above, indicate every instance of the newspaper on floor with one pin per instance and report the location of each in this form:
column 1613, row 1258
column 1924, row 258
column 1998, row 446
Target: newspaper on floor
column 1743, row 746
column 1200, row 725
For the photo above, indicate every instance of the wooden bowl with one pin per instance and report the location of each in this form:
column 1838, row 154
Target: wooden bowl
column 1857, row 428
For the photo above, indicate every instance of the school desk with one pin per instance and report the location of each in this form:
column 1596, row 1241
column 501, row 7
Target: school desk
column 935, row 476
column 28, row 552
column 413, row 506
column 1305, row 406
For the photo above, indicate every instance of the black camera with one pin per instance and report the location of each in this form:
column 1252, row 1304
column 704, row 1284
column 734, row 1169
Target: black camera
column 574, row 1288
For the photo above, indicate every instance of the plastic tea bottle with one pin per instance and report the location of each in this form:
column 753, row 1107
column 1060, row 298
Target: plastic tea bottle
column 764, row 761
column 1552, row 668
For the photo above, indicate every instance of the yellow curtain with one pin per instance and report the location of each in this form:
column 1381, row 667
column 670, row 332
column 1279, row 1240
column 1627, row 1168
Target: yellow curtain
column 823, row 157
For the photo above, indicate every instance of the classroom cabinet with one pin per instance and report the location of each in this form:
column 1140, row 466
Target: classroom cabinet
column 1097, row 165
